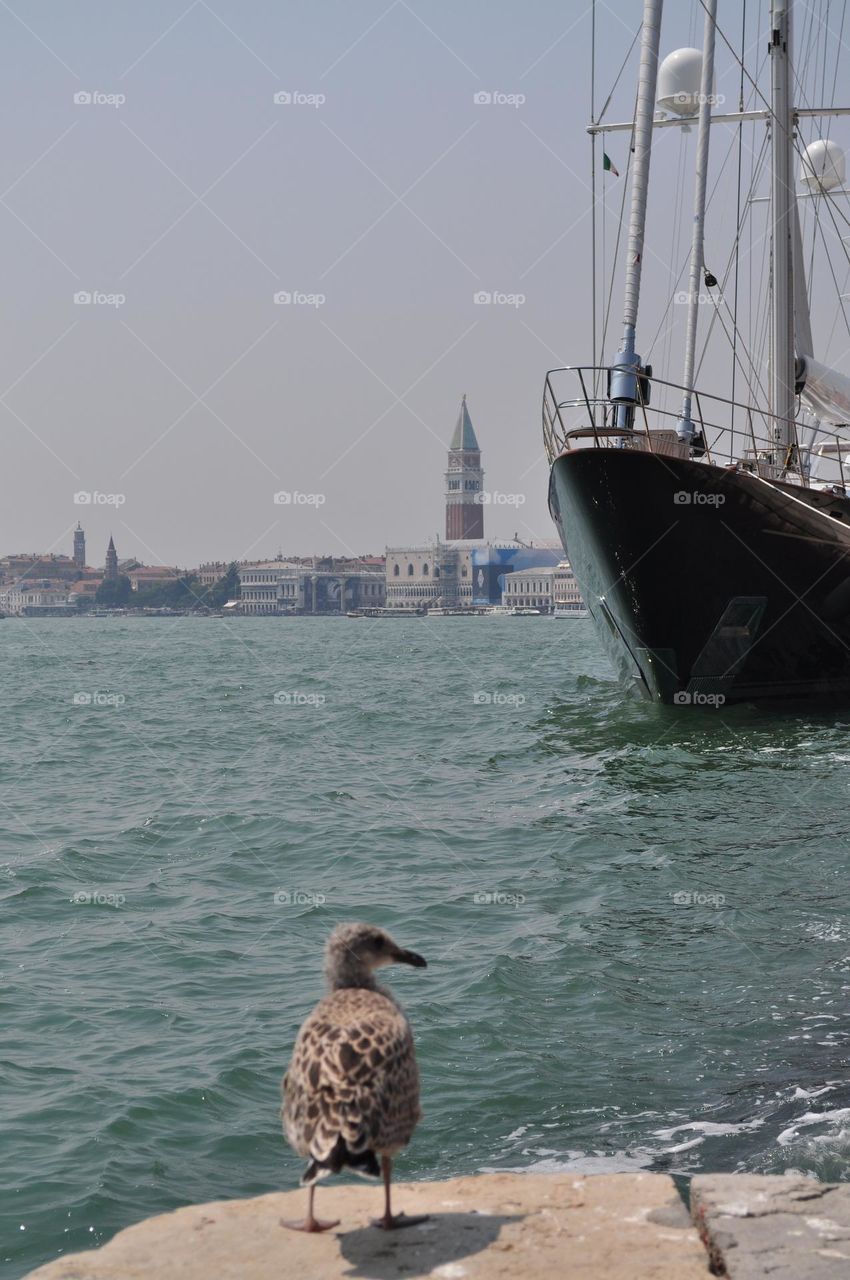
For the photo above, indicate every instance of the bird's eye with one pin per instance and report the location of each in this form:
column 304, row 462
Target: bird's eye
column 379, row 943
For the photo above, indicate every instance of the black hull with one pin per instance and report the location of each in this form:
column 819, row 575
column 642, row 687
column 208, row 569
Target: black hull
column 740, row 591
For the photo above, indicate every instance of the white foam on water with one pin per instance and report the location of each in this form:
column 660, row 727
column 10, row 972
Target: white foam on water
column 709, row 1128
column 800, row 1092
column 584, row 1163
column 839, row 1115
column 829, row 931
column 683, row 1146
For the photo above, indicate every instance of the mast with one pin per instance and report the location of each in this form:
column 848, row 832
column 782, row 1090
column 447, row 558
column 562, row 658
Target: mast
column 783, row 212
column 627, row 364
column 685, row 426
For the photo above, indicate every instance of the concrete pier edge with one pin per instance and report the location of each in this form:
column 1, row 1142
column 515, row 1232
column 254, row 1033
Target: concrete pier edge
column 620, row 1226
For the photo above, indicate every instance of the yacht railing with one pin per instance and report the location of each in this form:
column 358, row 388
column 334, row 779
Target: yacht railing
column 729, row 432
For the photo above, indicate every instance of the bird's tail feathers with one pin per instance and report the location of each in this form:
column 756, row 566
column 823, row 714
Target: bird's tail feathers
column 363, row 1163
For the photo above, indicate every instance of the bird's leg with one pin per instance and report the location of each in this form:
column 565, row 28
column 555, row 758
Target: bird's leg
column 311, row 1222
column 389, row 1222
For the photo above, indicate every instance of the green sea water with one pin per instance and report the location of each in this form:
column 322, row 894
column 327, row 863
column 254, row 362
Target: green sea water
column 635, row 918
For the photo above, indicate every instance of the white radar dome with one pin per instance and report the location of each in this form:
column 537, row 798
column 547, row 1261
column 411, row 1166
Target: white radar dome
column 822, row 166
column 679, row 79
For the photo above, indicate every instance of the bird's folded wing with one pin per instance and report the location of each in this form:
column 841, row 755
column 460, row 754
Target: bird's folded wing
column 357, row 1081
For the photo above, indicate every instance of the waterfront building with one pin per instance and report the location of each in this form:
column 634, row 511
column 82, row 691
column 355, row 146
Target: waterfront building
column 457, row 575
column 547, row 587
column 566, row 594
column 152, row 576
column 319, row 586
column 532, row 588
column 427, row 577
column 85, row 587
column 259, row 582
column 110, row 572
column 79, row 548
column 212, row 572
column 32, row 565
column 464, row 482
column 32, row 599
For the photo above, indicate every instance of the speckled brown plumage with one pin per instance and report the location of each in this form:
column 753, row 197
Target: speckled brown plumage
column 353, row 1075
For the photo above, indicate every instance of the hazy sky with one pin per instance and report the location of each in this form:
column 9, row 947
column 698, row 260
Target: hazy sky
column 389, row 191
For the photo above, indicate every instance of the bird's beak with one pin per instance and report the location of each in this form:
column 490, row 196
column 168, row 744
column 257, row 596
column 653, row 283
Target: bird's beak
column 410, row 957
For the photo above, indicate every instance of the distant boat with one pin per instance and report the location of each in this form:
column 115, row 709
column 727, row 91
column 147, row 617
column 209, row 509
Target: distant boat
column 375, row 611
column 570, row 611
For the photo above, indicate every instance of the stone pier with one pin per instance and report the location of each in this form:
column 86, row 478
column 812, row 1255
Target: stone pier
column 499, row 1226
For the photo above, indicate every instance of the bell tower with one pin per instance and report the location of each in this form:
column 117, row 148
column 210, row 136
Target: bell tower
column 464, row 482
column 79, row 548
column 110, row 572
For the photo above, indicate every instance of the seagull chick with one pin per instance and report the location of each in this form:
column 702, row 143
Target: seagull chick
column 351, row 1092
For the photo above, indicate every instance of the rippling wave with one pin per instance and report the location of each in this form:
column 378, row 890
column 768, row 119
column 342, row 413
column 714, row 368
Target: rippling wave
column 635, row 919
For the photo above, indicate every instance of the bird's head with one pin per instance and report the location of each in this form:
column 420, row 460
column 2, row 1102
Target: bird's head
column 355, row 951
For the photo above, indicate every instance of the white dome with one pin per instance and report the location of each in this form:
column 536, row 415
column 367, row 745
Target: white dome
column 679, row 79
column 822, row 166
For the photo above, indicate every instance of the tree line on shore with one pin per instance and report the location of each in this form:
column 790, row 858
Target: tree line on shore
column 186, row 592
